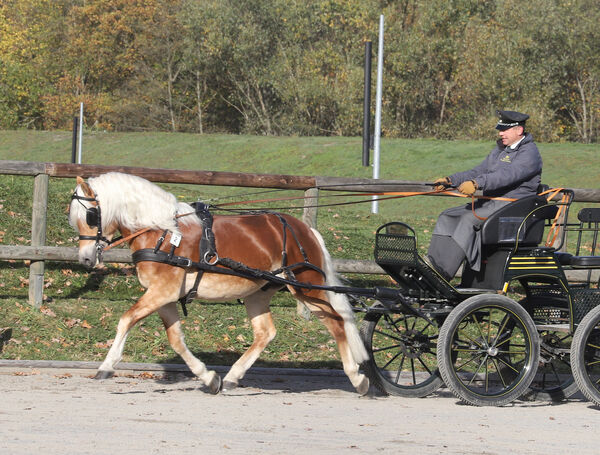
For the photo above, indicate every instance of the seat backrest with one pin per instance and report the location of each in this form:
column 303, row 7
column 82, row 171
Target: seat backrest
column 589, row 215
column 502, row 226
column 589, row 223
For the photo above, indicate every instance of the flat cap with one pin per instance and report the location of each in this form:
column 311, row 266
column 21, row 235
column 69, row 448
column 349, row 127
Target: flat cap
column 508, row 119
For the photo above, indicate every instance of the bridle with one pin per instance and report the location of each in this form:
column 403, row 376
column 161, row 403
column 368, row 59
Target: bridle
column 93, row 218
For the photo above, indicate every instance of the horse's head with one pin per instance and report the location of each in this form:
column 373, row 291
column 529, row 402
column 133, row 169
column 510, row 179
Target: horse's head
column 85, row 215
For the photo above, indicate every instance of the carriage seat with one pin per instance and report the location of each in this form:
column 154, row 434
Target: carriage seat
column 589, row 219
column 502, row 232
column 502, row 226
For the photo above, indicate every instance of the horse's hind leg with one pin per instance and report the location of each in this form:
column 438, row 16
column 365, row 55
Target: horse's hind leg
column 170, row 318
column 259, row 314
column 337, row 327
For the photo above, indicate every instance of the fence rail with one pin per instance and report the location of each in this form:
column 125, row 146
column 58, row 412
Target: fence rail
column 38, row 252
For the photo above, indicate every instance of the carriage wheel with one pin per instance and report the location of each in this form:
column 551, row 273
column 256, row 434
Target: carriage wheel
column 585, row 356
column 488, row 350
column 554, row 379
column 402, row 353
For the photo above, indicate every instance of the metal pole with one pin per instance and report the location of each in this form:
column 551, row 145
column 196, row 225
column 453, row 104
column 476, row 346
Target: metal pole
column 80, row 131
column 377, row 144
column 74, row 142
column 367, row 106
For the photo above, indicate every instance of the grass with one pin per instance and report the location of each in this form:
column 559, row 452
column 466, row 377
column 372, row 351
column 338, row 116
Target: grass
column 81, row 309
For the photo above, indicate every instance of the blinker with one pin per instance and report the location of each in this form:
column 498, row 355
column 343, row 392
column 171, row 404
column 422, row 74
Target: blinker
column 91, row 217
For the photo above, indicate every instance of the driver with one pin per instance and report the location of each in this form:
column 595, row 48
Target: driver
column 513, row 169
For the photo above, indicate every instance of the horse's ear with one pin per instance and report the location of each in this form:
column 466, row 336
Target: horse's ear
column 85, row 187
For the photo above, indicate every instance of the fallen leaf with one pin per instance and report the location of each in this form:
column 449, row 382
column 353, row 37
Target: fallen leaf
column 63, row 376
column 70, row 323
column 86, row 325
column 47, row 311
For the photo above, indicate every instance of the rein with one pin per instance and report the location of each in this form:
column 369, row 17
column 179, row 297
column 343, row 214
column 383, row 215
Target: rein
column 388, row 195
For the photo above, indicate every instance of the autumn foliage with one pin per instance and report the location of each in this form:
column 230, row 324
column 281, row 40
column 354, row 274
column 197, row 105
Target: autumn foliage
column 288, row 67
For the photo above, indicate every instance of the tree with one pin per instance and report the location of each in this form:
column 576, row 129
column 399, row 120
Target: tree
column 27, row 36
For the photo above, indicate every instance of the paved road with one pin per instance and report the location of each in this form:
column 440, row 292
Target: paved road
column 63, row 411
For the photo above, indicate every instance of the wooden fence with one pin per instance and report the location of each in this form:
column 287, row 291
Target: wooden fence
column 38, row 252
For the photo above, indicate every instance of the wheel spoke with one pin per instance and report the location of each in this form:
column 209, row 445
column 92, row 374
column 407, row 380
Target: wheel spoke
column 509, row 352
column 477, row 370
column 499, row 370
column 386, row 348
column 489, row 335
column 460, row 367
column 508, row 340
column 399, row 372
column 424, row 365
column 388, row 335
column 478, row 325
column 471, row 340
column 504, row 324
column 509, row 365
column 392, row 359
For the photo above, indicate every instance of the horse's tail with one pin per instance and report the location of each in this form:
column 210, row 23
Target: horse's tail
column 341, row 304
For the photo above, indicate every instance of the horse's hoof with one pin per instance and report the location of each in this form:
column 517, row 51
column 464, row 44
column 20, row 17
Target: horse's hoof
column 104, row 374
column 215, row 384
column 363, row 387
column 228, row 385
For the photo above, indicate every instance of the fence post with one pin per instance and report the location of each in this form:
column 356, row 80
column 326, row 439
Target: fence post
column 38, row 238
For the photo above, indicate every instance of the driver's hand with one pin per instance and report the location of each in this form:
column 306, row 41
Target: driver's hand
column 441, row 184
column 468, row 187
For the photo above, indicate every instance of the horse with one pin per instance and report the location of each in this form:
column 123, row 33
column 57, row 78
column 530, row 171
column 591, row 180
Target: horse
column 143, row 213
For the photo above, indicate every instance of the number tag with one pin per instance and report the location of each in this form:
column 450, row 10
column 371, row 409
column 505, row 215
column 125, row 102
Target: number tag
column 175, row 239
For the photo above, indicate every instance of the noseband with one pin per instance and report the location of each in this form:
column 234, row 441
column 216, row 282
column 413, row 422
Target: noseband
column 93, row 218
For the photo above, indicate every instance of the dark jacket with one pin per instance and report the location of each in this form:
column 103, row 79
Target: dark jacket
column 505, row 172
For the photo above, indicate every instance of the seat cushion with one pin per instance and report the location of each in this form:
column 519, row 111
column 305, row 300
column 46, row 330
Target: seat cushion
column 587, row 262
column 563, row 258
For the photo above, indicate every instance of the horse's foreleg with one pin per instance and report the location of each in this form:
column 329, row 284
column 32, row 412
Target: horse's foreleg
column 259, row 314
column 107, row 369
column 335, row 324
column 170, row 318
column 147, row 304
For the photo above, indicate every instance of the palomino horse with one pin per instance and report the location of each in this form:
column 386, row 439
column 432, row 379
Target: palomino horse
column 133, row 206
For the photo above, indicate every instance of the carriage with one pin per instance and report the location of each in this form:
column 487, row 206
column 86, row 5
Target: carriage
column 488, row 348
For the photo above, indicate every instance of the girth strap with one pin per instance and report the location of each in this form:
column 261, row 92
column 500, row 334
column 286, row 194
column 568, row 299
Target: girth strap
column 207, row 251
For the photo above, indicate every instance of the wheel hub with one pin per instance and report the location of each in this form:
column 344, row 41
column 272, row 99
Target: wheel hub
column 415, row 344
column 492, row 351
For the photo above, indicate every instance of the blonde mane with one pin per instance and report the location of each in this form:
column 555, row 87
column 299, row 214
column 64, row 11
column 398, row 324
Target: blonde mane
column 133, row 203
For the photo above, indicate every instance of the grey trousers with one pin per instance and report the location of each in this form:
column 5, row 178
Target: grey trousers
column 445, row 255
column 456, row 236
